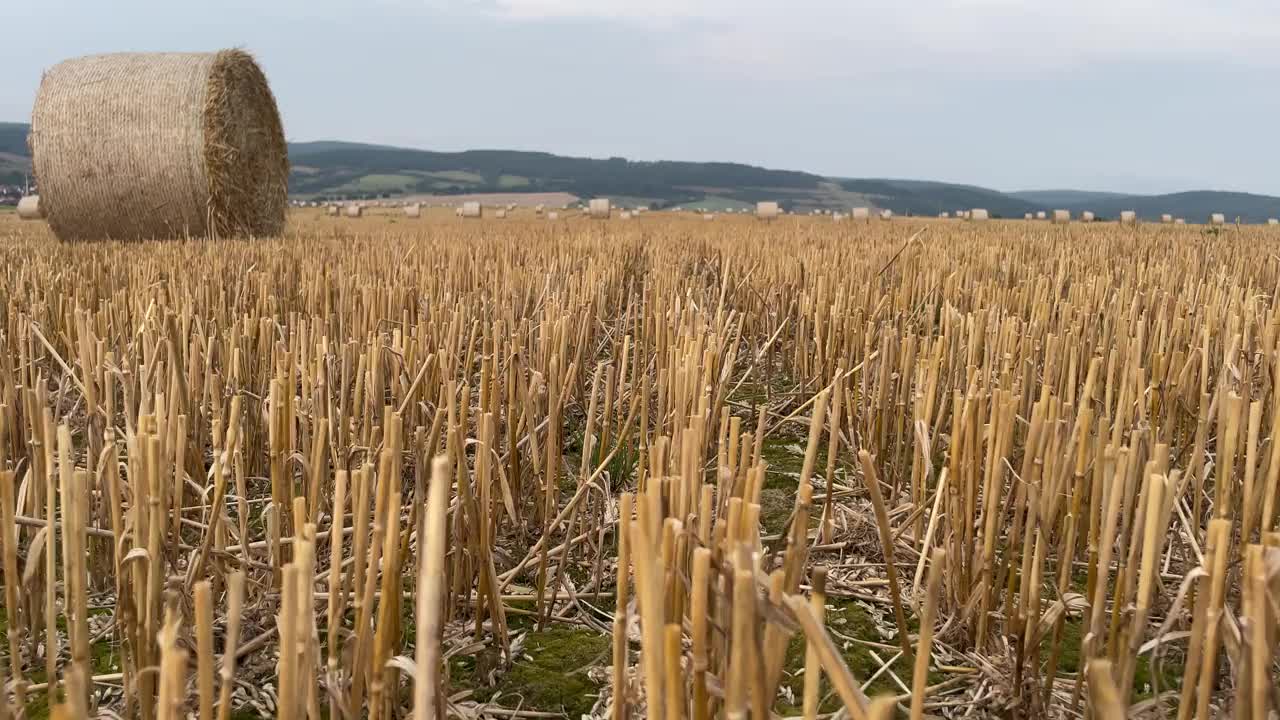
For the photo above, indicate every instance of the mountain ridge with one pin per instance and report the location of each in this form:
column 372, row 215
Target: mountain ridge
column 336, row 169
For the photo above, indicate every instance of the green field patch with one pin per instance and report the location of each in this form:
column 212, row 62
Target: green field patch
column 550, row 675
column 507, row 182
column 458, row 176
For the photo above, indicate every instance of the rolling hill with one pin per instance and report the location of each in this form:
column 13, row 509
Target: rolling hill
column 342, row 170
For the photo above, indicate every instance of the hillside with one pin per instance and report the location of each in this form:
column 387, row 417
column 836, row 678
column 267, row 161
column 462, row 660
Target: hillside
column 342, row 170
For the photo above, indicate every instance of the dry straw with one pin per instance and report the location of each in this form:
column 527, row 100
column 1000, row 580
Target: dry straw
column 156, row 145
column 29, row 208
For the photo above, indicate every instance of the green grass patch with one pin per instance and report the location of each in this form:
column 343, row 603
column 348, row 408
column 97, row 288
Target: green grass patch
column 550, row 675
column 507, row 182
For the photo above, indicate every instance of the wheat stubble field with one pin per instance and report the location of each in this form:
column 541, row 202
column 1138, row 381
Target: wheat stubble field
column 659, row 468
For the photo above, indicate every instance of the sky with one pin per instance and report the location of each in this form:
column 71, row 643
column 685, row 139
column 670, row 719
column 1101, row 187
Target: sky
column 1141, row 96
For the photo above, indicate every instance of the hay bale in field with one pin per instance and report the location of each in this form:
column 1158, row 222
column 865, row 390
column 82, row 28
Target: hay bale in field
column 333, row 211
column 1028, row 216
column 624, row 215
column 767, row 210
column 1273, row 221
column 553, row 215
column 471, row 209
column 29, row 208
column 1128, row 217
column 599, row 208
column 886, row 214
column 944, row 215
column 861, row 213
column 500, row 214
column 1061, row 216
column 155, row 145
column 1217, row 219
column 538, row 209
column 1179, row 221
column 1166, row 219
column 355, row 211
column 413, row 210
column 978, row 215
column 1041, row 215
column 708, row 216
column 1086, row 216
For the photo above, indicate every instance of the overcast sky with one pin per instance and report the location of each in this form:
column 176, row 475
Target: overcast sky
column 1125, row 95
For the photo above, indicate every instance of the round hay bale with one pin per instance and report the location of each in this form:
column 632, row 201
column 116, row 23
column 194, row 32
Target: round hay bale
column 413, row 210
column 625, row 215
column 599, row 208
column 1027, row 216
column 500, row 214
column 767, row 210
column 1128, row 217
column 1041, row 215
column 861, row 213
column 156, row 145
column 553, row 215
column 1273, row 221
column 708, row 216
column 944, row 215
column 29, row 208
column 334, row 211
column 1086, row 216
column 1179, row 221
column 978, row 215
column 355, row 211
column 1166, row 219
column 1061, row 216
column 1217, row 219
column 470, row 209
column 886, row 214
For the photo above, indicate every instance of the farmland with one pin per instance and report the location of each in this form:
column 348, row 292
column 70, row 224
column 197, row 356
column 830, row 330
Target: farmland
column 658, row 468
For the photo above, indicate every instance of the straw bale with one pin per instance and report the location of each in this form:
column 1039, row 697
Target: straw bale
column 767, row 210
column 1217, row 219
column 1062, row 216
column 1128, row 217
column 471, row 209
column 157, row 145
column 599, row 208
column 978, row 214
column 354, row 210
column 29, row 208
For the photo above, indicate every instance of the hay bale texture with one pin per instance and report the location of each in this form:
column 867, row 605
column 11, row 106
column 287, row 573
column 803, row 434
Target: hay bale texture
column 1061, row 216
column 29, row 208
column 1273, row 221
column 1217, row 219
column 767, row 210
column 133, row 146
column 355, row 211
column 978, row 215
column 471, row 209
column 413, row 210
column 599, row 208
column 1086, row 216
column 1128, row 217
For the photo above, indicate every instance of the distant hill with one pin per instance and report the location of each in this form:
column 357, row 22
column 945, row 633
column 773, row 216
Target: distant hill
column 345, row 170
column 1051, row 199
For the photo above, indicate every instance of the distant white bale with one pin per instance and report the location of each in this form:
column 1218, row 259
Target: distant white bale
column 413, row 210
column 708, row 216
column 539, row 209
column 767, row 210
column 861, row 213
column 334, row 210
column 1166, row 218
column 1217, row 219
column 29, row 208
column 979, row 215
column 1028, row 216
column 625, row 215
column 1062, row 216
column 599, row 208
column 1179, row 221
column 1041, row 215
column 471, row 209
column 553, row 215
column 511, row 206
column 1086, row 216
column 1273, row 221
column 500, row 214
column 355, row 211
column 1128, row 217
column 886, row 214
column 944, row 215
column 458, row 211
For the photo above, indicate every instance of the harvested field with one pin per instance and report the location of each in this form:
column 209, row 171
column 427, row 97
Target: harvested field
column 668, row 469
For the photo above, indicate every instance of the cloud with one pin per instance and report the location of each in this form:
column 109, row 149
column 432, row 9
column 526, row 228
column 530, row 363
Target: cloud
column 835, row 37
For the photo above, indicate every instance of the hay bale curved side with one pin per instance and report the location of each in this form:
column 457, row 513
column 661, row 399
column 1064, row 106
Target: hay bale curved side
column 29, row 208
column 134, row 146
